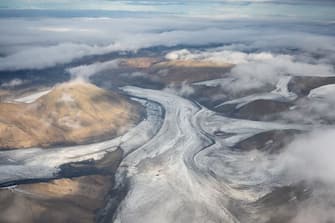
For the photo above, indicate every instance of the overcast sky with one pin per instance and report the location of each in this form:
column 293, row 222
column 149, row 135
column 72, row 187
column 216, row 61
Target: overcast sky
column 297, row 9
column 274, row 26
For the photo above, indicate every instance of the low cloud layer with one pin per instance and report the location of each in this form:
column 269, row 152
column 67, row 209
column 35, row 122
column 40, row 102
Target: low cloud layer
column 297, row 9
column 183, row 89
column 256, row 70
column 13, row 83
column 84, row 72
column 310, row 158
column 40, row 43
column 42, row 57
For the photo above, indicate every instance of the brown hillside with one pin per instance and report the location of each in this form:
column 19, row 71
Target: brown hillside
column 71, row 113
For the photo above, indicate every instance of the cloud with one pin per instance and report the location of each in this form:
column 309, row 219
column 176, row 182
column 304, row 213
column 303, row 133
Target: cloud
column 309, row 158
column 297, row 9
column 13, row 83
column 256, row 70
column 268, row 70
column 183, row 89
column 40, row 43
column 325, row 92
column 77, row 4
column 317, row 108
column 316, row 210
column 41, row 57
column 136, row 74
column 260, row 60
column 84, row 72
column 219, row 55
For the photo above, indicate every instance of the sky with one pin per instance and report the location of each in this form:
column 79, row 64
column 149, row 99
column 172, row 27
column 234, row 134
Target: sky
column 69, row 30
column 316, row 10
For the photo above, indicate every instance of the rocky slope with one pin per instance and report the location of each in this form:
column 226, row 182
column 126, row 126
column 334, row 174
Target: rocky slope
column 72, row 113
column 63, row 200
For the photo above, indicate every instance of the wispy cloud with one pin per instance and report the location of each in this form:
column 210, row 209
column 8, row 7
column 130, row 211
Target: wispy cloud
column 40, row 43
column 300, row 9
column 257, row 70
column 84, row 72
column 310, row 159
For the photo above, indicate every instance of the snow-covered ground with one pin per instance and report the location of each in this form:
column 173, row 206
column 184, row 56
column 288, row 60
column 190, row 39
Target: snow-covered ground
column 31, row 97
column 178, row 170
column 44, row 163
column 168, row 174
column 281, row 94
column 325, row 92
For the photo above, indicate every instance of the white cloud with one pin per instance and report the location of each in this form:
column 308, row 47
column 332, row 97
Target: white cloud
column 183, row 89
column 40, row 43
column 255, row 70
column 13, row 83
column 310, row 159
column 257, row 73
column 85, row 71
column 219, row 55
column 42, row 57
column 325, row 92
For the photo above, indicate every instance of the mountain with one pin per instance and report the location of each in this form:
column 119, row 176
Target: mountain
column 72, row 113
column 61, row 200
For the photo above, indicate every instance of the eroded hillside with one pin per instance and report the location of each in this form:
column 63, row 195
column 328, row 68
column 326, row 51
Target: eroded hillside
column 72, row 113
